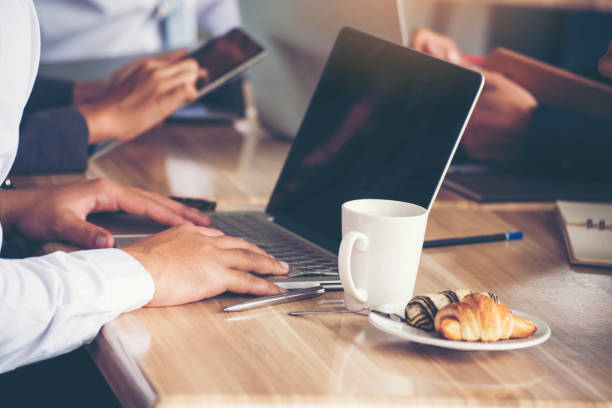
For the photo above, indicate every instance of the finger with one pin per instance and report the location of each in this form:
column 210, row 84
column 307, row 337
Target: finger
column 605, row 63
column 243, row 282
column 84, row 234
column 123, row 73
column 187, row 65
column 162, row 59
column 228, row 242
column 453, row 56
column 417, row 38
column 436, row 50
column 189, row 213
column 246, row 260
column 210, row 232
column 134, row 203
column 203, row 78
column 157, row 64
column 172, row 56
column 116, row 198
column 181, row 94
column 419, row 44
column 186, row 78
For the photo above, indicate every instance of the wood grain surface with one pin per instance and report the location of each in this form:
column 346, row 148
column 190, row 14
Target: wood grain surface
column 201, row 355
column 196, row 355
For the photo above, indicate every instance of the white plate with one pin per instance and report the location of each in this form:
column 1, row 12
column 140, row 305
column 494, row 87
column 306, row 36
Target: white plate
column 408, row 332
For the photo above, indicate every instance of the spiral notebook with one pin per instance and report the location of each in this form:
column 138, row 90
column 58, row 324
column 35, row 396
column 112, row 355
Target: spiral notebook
column 587, row 231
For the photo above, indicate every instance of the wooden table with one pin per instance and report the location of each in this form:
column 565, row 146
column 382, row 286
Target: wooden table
column 197, row 355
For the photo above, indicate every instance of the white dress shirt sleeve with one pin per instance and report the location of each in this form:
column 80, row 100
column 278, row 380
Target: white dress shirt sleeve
column 52, row 304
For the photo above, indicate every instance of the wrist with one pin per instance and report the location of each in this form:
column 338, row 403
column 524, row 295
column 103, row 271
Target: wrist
column 143, row 258
column 13, row 203
column 130, row 285
column 86, row 92
column 97, row 118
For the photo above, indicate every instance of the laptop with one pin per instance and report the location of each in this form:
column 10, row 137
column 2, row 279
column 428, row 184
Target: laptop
column 298, row 36
column 384, row 122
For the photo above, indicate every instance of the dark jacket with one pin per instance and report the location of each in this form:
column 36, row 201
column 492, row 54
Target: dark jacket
column 53, row 133
column 570, row 144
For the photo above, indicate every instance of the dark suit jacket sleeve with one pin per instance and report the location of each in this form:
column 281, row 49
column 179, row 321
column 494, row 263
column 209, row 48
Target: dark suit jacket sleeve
column 569, row 143
column 49, row 93
column 52, row 141
column 53, row 134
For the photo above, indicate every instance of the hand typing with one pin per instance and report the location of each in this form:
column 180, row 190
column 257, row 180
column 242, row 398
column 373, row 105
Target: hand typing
column 190, row 263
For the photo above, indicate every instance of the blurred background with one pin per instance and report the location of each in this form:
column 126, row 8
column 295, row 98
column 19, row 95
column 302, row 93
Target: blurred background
column 103, row 35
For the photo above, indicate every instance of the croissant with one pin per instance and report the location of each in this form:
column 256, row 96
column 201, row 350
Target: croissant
column 421, row 310
column 478, row 317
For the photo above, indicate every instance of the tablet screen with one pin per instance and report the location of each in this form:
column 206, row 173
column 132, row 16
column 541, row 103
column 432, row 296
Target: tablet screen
column 226, row 53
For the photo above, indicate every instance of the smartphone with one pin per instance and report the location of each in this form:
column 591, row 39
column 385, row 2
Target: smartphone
column 225, row 57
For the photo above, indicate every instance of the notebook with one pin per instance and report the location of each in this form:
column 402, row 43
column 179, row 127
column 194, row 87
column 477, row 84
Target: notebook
column 490, row 186
column 587, row 231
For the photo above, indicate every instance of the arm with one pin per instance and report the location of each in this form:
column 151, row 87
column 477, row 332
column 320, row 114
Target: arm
column 569, row 143
column 52, row 141
column 53, row 304
column 61, row 118
column 50, row 93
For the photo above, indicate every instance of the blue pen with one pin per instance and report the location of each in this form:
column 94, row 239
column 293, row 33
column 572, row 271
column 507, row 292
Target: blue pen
column 505, row 236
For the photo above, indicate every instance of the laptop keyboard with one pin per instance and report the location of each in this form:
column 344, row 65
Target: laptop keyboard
column 304, row 260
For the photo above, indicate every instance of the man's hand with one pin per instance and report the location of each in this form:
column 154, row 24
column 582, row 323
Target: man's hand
column 59, row 212
column 137, row 97
column 436, row 44
column 497, row 127
column 190, row 263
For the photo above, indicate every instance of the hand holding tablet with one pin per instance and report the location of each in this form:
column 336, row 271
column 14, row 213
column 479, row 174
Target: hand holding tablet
column 225, row 57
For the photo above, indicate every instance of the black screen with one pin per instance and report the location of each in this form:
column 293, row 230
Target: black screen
column 382, row 123
column 224, row 53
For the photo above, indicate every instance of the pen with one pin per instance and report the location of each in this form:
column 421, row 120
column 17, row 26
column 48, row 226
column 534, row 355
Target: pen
column 197, row 203
column 276, row 299
column 505, row 236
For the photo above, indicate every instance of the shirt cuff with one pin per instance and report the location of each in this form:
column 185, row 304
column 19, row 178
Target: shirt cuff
column 131, row 286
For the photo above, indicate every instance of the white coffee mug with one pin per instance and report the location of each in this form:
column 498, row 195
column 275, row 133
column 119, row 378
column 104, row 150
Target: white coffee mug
column 380, row 251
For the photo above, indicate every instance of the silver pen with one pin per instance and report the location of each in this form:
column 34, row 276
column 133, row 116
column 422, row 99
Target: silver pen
column 276, row 299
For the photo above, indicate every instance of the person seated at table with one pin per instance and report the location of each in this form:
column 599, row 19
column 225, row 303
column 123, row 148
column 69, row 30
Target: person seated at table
column 52, row 304
column 98, row 29
column 63, row 119
column 510, row 126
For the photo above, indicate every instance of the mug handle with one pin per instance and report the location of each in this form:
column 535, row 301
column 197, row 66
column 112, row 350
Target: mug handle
column 350, row 240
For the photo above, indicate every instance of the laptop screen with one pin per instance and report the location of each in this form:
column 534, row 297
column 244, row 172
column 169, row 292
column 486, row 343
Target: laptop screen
column 383, row 123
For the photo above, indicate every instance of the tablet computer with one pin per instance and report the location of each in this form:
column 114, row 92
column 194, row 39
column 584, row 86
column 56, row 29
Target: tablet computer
column 225, row 57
